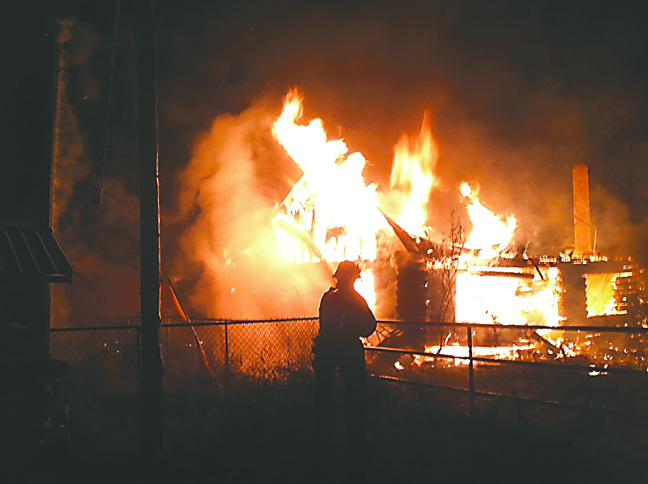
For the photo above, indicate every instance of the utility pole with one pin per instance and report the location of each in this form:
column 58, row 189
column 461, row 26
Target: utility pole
column 150, row 359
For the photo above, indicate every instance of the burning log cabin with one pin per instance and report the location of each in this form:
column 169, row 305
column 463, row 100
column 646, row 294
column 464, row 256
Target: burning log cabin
column 467, row 279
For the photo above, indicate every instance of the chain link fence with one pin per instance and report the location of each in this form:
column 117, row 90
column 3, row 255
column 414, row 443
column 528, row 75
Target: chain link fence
column 208, row 365
column 213, row 368
column 222, row 350
column 101, row 390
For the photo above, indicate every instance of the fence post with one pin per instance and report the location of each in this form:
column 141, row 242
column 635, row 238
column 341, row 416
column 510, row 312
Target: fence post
column 227, row 368
column 471, row 374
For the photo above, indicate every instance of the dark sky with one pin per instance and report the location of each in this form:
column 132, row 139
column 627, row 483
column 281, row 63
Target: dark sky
column 518, row 92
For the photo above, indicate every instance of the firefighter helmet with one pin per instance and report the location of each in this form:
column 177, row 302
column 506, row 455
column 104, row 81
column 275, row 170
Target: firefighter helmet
column 347, row 270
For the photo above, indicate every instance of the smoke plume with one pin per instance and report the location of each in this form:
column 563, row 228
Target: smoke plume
column 225, row 214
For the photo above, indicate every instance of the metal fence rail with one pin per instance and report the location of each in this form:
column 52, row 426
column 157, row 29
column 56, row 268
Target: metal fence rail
column 624, row 394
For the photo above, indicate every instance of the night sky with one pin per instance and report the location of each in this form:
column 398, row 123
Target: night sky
column 517, row 92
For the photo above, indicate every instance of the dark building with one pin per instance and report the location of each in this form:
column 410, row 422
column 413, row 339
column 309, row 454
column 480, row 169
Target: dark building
column 30, row 258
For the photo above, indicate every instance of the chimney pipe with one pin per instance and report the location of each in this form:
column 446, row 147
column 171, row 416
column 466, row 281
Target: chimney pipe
column 583, row 236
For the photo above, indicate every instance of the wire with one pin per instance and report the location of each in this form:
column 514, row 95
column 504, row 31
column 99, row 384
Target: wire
column 105, row 150
column 97, row 111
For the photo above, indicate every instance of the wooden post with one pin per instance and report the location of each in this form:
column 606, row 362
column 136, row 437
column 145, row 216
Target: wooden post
column 150, row 359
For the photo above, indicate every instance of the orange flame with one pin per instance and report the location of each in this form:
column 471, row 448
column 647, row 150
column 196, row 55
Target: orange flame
column 601, row 294
column 510, row 300
column 331, row 214
column 331, row 204
column 412, row 176
column 515, row 295
column 331, row 208
column 489, row 230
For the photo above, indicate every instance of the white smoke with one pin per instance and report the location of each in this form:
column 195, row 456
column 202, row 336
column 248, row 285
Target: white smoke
column 229, row 237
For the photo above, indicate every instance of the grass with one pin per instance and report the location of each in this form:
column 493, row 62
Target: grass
column 262, row 433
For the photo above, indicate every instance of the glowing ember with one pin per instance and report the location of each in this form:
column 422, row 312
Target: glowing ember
column 462, row 353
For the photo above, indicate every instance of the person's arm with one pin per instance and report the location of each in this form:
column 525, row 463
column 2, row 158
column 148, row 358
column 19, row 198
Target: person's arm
column 360, row 316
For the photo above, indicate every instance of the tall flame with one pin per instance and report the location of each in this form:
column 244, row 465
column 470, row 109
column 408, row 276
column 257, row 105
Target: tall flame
column 331, row 209
column 412, row 176
column 332, row 214
column 331, row 204
column 515, row 295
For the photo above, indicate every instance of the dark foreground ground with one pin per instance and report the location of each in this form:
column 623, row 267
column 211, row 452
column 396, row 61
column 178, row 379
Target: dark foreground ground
column 418, row 435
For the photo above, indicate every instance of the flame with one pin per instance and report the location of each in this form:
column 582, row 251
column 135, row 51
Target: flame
column 489, row 231
column 510, row 300
column 412, row 177
column 331, row 204
column 505, row 295
column 601, row 294
column 365, row 287
column 331, row 213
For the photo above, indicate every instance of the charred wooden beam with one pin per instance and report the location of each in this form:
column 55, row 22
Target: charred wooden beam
column 415, row 245
column 498, row 273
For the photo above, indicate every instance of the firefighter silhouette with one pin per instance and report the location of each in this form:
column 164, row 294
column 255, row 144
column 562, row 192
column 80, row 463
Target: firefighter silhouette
column 344, row 317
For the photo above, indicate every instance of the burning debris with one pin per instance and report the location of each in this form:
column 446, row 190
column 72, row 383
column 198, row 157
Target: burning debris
column 475, row 278
column 412, row 269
